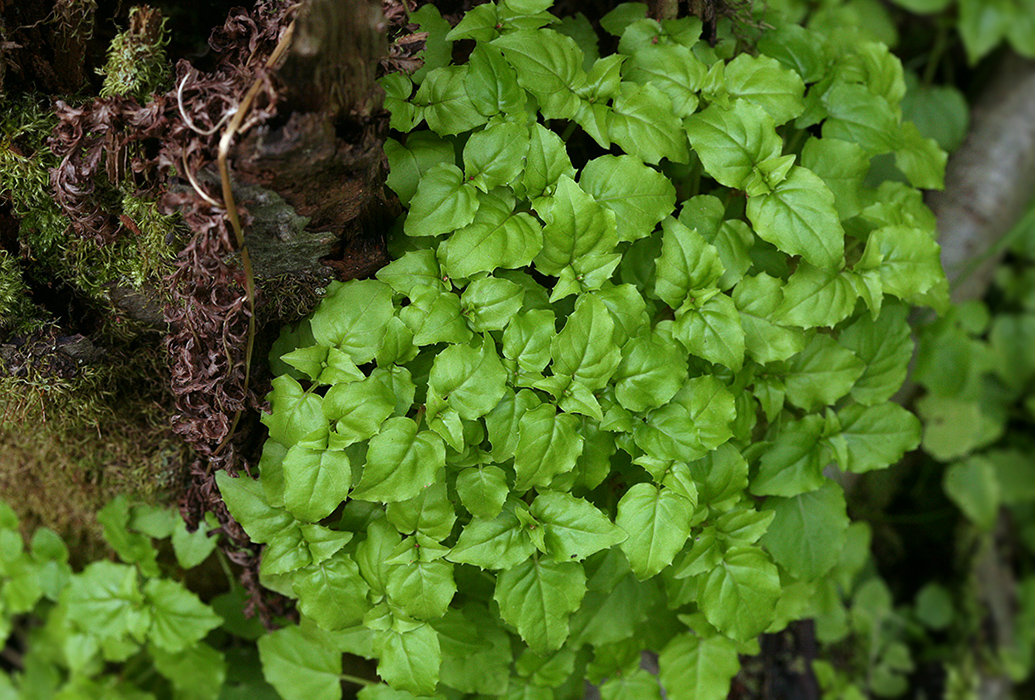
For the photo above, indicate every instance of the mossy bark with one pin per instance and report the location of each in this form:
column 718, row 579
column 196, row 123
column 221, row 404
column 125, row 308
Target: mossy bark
column 85, row 392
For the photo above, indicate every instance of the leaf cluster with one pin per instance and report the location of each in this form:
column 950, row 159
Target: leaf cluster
column 640, row 303
column 104, row 631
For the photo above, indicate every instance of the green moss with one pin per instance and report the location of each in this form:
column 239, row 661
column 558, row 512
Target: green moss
column 137, row 65
column 17, row 312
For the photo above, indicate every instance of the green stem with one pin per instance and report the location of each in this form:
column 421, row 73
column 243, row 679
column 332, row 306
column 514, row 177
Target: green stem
column 568, row 131
column 934, row 56
column 348, row 678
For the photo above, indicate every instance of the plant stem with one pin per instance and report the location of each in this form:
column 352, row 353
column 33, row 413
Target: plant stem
column 348, row 678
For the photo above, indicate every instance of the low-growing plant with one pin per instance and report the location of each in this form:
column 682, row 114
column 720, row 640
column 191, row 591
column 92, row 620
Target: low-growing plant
column 121, row 630
column 642, row 304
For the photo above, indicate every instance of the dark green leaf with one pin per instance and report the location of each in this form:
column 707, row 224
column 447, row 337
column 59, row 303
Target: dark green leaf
column 657, row 522
column 443, row 203
column 447, row 107
column 400, row 462
column 639, row 196
column 549, row 65
column 574, row 527
column 537, row 597
column 808, row 531
column 698, row 667
column 548, row 445
column 799, row 218
column 644, row 125
column 739, row 596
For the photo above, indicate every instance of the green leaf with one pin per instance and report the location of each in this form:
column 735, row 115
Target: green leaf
column 583, row 350
column 295, row 413
column 409, row 660
column 469, row 380
column 527, row 341
column 246, row 501
column 316, row 481
column 657, row 522
column 437, row 49
column 639, row 196
column 576, row 226
column 644, row 125
column 815, row 297
column 398, row 88
column 400, row 462
column 954, row 427
column 856, row 114
column 548, row 444
column 502, row 422
column 496, row 238
column 698, row 667
column 490, row 303
column 821, row 373
column 574, row 527
column 443, row 203
column 638, row 685
column 476, row 655
column 499, row 543
column 842, row 165
column 479, row 23
column 415, row 269
column 302, row 663
column 447, row 107
column 799, row 218
column 373, row 552
column 877, row 436
column 653, row 369
column 537, row 597
column 763, row 81
column 491, row 83
column 482, row 490
column 546, row 162
column 791, row 464
column 757, row 299
column 710, row 328
column 687, row 263
column 105, row 599
column 430, row 513
column 197, row 673
column 696, row 421
column 358, row 409
column 920, row 159
column 434, row 317
column 422, row 589
column 983, row 24
column 408, row 164
column 797, row 48
column 732, row 141
column 808, row 531
column 132, row 547
column 179, row 620
column 972, row 485
column 332, row 593
column 885, row 346
column 496, row 155
column 739, row 596
column 907, row 259
column 1016, row 480
column 673, row 69
column 352, row 317
column 940, row 112
column 549, row 65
